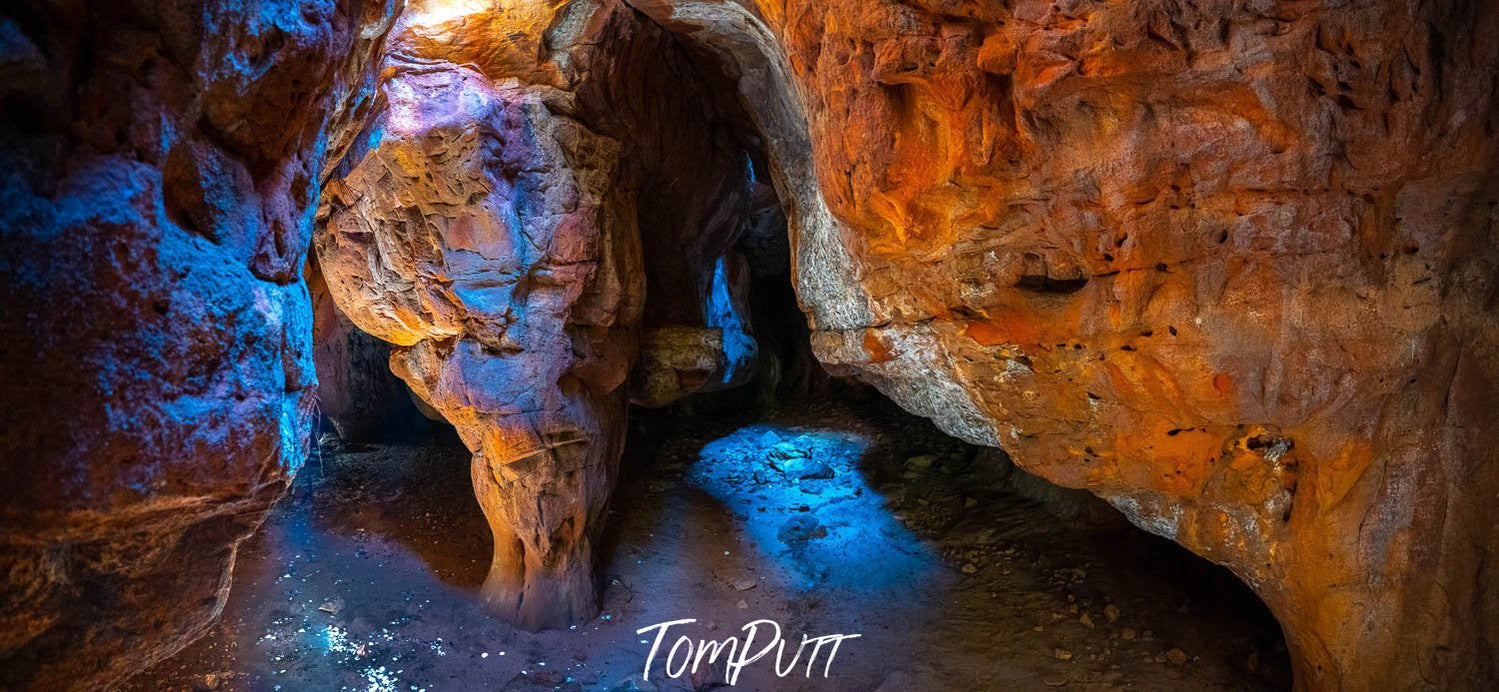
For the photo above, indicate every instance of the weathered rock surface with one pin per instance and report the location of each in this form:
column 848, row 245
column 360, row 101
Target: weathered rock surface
column 491, row 223
column 688, row 165
column 476, row 234
column 356, row 391
column 675, row 360
column 1229, row 266
column 158, row 162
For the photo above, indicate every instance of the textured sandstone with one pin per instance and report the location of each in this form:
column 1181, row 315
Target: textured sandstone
column 356, row 391
column 674, row 360
column 492, row 223
column 476, row 235
column 158, row 162
column 1228, row 265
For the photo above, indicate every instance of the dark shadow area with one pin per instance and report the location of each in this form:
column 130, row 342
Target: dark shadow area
column 415, row 492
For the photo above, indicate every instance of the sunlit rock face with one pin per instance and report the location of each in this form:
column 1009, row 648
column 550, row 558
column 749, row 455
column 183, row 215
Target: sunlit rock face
column 521, row 223
column 1230, row 266
column 158, row 167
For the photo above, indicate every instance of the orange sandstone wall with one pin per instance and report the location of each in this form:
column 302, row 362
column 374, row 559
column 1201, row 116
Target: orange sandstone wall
column 1229, row 265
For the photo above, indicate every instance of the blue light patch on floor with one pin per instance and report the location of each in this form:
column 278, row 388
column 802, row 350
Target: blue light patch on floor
column 807, row 505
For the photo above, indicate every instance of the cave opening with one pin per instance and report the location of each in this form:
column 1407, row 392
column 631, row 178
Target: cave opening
column 753, row 484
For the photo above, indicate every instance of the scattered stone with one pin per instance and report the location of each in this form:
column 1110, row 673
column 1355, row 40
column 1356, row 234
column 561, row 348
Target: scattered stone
column 920, row 463
column 744, row 584
column 970, row 568
column 742, row 605
column 798, row 468
column 711, row 674
column 212, row 681
column 1176, row 657
column 782, row 454
column 970, row 503
column 1128, row 634
column 1086, row 620
column 332, row 607
column 1063, row 655
column 1111, row 612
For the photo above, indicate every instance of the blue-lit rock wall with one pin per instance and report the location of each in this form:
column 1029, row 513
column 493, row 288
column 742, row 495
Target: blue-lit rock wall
column 159, row 169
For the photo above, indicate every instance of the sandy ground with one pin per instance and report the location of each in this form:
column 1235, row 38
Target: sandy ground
column 825, row 518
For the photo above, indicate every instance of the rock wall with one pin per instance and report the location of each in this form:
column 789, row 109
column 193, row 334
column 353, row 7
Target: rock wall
column 356, row 391
column 476, row 234
column 1228, row 265
column 547, row 201
column 158, row 168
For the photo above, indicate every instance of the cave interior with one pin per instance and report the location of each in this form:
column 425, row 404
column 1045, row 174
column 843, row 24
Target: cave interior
column 451, row 344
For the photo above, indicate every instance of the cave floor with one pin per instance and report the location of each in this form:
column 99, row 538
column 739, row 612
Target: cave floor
column 366, row 575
